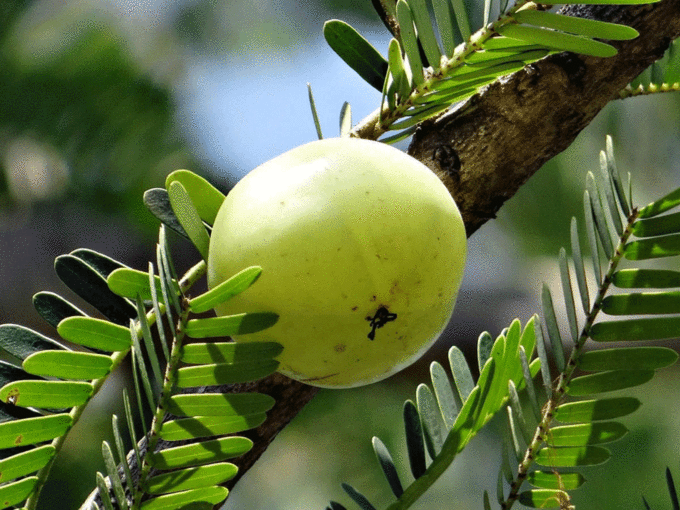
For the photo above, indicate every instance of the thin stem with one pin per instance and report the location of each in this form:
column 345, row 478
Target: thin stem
column 185, row 283
column 562, row 382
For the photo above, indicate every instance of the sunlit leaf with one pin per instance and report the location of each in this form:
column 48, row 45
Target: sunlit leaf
column 25, row 463
column 409, row 41
column 68, row 364
column 555, row 480
column 129, row 283
column 584, row 434
column 558, row 40
column 543, row 498
column 225, row 373
column 229, row 352
column 646, row 278
column 592, row 410
column 207, row 426
column 206, row 197
column 653, row 247
column 636, row 329
column 225, row 290
column 219, row 404
column 14, row 493
column 571, row 457
column 192, row 478
column 95, row 333
column 444, row 393
column 423, row 23
column 46, row 394
column 33, row 430
column 608, row 381
column 662, row 205
column 205, row 452
column 433, row 425
column 188, row 216
column 230, row 325
column 211, row 495
column 574, row 25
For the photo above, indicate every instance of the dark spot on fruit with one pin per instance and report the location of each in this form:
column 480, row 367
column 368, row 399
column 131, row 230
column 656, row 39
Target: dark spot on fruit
column 381, row 317
column 355, row 308
column 373, row 298
column 340, row 348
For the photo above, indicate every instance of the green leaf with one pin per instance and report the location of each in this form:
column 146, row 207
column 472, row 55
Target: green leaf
column 568, row 293
column 599, row 215
column 357, row 52
column 68, row 364
column 14, row 493
column 90, row 285
column 129, row 283
column 206, row 426
column 212, row 495
column 578, row 26
column 423, row 23
column 46, row 394
column 21, row 342
column 555, row 480
column 592, row 237
column 542, row 353
column 646, row 278
column 615, row 177
column 192, row 478
column 54, row 308
column 220, row 404
column 315, row 113
column 444, row 393
column 600, row 2
column 543, row 498
column 636, row 329
column 650, row 303
column 657, row 226
column 652, row 248
column 552, row 328
column 415, row 444
column 409, row 41
column 120, row 449
column 95, row 333
column 114, row 477
column 205, row 452
column 572, row 457
column 345, row 119
column 608, row 381
column 103, row 264
column 442, row 13
column 401, row 80
column 157, row 201
column 584, row 434
column 188, row 216
column 230, row 325
column 225, row 290
column 600, row 409
column 206, row 197
column 229, row 352
column 357, row 497
column 33, row 430
column 627, row 358
column 607, row 184
column 225, row 373
column 104, row 491
column 662, row 205
column 462, row 19
column 431, row 418
column 558, row 40
column 484, row 346
column 25, row 463
column 387, row 465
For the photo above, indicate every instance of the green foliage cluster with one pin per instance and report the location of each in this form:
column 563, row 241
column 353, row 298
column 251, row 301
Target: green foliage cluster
column 556, row 423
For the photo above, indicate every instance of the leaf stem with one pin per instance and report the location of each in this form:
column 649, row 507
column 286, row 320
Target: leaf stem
column 561, row 384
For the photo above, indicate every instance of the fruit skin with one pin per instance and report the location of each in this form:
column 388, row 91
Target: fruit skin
column 347, row 231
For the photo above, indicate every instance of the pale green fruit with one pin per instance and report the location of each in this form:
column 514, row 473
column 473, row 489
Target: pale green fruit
column 362, row 250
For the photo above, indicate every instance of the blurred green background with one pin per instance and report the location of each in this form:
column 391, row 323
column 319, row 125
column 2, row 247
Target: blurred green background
column 99, row 100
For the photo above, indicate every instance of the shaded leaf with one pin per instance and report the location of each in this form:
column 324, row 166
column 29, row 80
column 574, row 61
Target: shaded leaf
column 315, row 113
column 211, row 495
column 21, row 342
column 555, row 480
column 188, row 216
column 628, row 358
column 220, row 404
column 157, row 201
column 90, row 285
column 225, row 373
column 206, row 426
column 415, row 444
column 54, row 308
column 357, row 497
column 646, row 278
column 662, row 205
column 636, row 329
column 229, row 352
column 653, row 247
column 543, row 498
column 586, row 434
column 357, row 52
column 388, row 467
column 657, row 226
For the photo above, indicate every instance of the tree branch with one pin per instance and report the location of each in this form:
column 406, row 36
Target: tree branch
column 486, row 149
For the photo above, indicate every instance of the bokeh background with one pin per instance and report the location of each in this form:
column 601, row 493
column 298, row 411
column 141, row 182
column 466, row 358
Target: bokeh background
column 100, row 99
